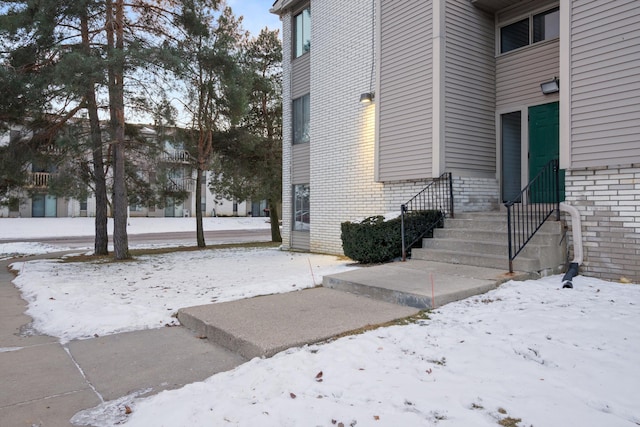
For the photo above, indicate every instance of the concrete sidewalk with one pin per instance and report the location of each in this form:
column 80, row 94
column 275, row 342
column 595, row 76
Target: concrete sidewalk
column 44, row 382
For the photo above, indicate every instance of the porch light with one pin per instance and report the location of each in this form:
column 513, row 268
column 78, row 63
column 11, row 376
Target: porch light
column 366, row 98
column 552, row 86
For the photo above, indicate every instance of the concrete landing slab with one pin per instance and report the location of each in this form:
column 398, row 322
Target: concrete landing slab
column 160, row 359
column 264, row 326
column 420, row 284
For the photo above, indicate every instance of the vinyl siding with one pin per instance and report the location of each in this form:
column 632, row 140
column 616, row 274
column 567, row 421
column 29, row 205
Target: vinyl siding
column 605, row 83
column 300, row 76
column 470, row 140
column 519, row 74
column 404, row 97
column 300, row 240
column 521, row 9
column 300, row 164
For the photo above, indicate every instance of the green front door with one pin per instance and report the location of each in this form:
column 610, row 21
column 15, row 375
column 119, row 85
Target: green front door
column 544, row 146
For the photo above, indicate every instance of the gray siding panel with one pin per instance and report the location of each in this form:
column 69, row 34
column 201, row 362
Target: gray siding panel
column 300, row 76
column 300, row 240
column 523, row 8
column 470, row 140
column 519, row 74
column 300, row 165
column 404, row 96
column 605, row 83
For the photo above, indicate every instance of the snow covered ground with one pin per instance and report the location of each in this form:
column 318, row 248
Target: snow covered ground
column 526, row 354
column 73, row 300
column 34, row 228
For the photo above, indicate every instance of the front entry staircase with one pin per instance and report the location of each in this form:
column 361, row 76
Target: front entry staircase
column 481, row 239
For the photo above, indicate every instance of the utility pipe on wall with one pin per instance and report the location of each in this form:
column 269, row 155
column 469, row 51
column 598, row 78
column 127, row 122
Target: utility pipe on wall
column 576, row 226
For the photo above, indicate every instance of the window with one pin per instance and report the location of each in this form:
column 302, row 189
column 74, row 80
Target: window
column 546, row 25
column 301, row 207
column 536, row 28
column 302, row 32
column 514, row 36
column 301, row 110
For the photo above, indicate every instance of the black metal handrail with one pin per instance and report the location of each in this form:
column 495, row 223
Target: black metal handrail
column 532, row 207
column 438, row 195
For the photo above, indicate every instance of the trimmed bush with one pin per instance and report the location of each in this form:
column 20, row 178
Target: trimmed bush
column 375, row 240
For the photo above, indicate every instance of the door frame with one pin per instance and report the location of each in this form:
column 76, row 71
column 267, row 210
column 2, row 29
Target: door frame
column 524, row 141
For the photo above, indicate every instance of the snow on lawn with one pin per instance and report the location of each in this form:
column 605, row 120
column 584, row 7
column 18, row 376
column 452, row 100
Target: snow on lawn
column 14, row 229
column 30, row 228
column 16, row 249
column 81, row 299
column 527, row 353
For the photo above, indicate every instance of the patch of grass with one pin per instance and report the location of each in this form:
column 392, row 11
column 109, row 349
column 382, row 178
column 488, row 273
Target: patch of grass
column 510, row 422
column 441, row 362
column 161, row 251
column 420, row 316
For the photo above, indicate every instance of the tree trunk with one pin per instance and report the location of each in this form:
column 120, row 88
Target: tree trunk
column 199, row 227
column 101, row 243
column 275, row 222
column 115, row 40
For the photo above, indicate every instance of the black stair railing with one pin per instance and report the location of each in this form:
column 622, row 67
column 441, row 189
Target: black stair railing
column 438, row 195
column 532, row 207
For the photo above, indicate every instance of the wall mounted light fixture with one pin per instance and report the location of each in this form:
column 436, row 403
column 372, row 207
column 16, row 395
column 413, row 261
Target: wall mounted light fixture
column 366, row 97
column 552, row 86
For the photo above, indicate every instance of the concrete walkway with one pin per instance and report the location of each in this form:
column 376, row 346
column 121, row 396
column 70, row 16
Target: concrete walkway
column 44, row 383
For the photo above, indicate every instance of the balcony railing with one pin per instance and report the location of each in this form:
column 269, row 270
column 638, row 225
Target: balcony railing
column 176, row 156
column 184, row 184
column 38, row 179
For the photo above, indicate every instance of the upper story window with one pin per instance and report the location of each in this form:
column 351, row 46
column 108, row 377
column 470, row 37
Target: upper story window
column 302, row 32
column 301, row 119
column 532, row 29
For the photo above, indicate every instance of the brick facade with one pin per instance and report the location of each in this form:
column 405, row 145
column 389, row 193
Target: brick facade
column 609, row 203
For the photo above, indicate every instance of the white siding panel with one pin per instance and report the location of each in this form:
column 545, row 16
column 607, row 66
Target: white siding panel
column 470, row 140
column 520, row 73
column 605, row 87
column 404, row 98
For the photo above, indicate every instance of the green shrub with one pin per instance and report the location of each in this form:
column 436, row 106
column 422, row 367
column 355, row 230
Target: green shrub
column 375, row 240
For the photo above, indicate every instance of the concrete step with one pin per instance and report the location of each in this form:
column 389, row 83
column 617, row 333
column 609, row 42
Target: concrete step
column 542, row 237
column 494, row 223
column 521, row 263
column 421, row 284
column 464, row 245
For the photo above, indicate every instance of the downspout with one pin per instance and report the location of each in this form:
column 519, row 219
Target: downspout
column 576, row 227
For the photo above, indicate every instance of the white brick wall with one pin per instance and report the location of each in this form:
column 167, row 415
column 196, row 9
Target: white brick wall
column 287, row 214
column 475, row 194
column 342, row 129
column 609, row 203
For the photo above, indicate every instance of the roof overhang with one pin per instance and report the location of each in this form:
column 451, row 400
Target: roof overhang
column 495, row 5
column 281, row 6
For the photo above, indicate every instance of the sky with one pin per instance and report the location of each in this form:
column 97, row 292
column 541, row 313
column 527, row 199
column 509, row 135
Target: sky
column 256, row 15
column 527, row 353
